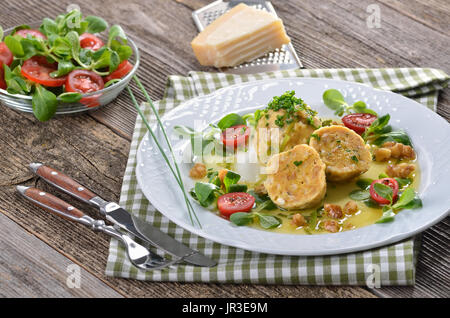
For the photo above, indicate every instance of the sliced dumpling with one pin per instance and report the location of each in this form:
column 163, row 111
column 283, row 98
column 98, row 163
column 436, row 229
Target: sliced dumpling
column 296, row 178
column 277, row 133
column 342, row 150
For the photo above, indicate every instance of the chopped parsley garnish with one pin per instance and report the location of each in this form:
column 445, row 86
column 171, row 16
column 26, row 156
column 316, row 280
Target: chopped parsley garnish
column 315, row 136
column 257, row 115
column 298, row 163
column 290, row 105
column 327, row 123
column 355, row 159
column 310, row 121
column 280, row 120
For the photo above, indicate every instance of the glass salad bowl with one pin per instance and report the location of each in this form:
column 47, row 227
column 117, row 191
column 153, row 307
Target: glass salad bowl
column 102, row 97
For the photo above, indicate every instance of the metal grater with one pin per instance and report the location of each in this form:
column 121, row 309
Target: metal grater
column 281, row 59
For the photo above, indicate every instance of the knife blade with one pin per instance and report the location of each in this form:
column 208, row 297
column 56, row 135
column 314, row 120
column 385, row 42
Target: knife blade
column 144, row 230
column 122, row 218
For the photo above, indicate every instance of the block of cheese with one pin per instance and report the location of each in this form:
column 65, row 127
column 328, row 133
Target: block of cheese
column 240, row 35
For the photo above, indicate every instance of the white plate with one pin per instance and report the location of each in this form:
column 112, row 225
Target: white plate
column 429, row 132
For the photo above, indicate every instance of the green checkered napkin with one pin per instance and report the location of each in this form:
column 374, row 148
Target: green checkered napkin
column 396, row 262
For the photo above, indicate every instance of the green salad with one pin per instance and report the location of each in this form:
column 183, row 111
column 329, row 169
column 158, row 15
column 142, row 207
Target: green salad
column 63, row 59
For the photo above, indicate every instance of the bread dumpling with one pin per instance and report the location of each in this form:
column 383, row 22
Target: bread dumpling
column 343, row 151
column 296, row 178
column 273, row 138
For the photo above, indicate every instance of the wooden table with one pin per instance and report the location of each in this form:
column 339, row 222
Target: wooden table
column 93, row 148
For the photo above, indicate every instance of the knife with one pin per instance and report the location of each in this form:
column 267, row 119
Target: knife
column 139, row 256
column 122, row 218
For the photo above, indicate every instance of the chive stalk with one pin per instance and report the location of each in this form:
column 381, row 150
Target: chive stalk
column 176, row 174
column 158, row 119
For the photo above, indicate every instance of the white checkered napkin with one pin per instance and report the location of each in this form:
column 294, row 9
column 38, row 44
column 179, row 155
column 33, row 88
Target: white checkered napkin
column 395, row 263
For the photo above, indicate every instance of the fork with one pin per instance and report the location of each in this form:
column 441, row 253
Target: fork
column 139, row 256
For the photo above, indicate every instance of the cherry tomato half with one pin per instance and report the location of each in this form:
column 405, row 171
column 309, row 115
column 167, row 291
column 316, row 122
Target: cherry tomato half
column 90, row 41
column 38, row 69
column 358, row 122
column 235, row 136
column 36, row 33
column 6, row 56
column 386, row 181
column 83, row 81
column 235, row 202
column 123, row 69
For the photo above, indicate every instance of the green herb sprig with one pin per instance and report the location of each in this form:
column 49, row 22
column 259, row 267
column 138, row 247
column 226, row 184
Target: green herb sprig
column 206, row 192
column 207, row 141
column 230, row 120
column 250, row 119
column 313, row 219
column 334, row 100
column 407, row 200
column 175, row 171
column 380, row 132
column 363, row 194
column 266, row 221
column 230, row 179
column 203, row 142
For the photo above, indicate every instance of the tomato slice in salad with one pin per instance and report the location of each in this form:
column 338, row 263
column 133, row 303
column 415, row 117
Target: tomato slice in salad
column 36, row 33
column 123, row 69
column 386, row 181
column 6, row 56
column 83, row 81
column 2, row 79
column 235, row 136
column 38, row 69
column 235, row 202
column 358, row 121
column 90, row 41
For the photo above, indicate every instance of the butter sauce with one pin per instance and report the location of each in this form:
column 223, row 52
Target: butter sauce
column 337, row 193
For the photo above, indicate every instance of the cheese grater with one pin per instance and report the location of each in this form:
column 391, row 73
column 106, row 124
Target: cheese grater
column 281, row 59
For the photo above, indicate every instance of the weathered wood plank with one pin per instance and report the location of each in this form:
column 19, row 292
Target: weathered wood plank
column 320, row 35
column 95, row 156
column 433, row 14
column 30, row 268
